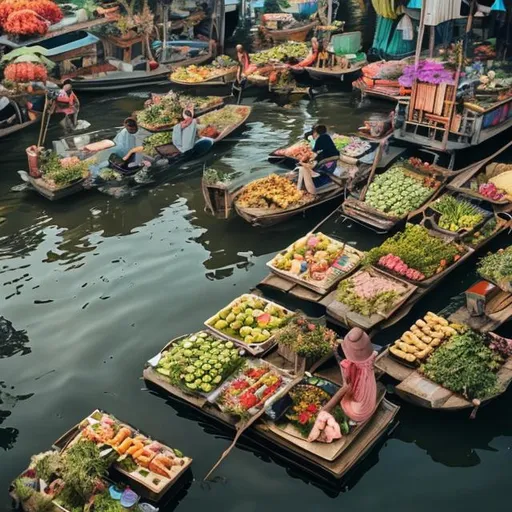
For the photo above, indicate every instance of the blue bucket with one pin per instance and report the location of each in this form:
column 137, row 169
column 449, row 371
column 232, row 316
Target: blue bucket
column 308, row 8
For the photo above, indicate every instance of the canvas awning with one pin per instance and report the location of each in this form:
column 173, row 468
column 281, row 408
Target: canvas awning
column 439, row 11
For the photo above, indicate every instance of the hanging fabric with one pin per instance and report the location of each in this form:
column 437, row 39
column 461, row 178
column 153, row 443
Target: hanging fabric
column 414, row 4
column 439, row 11
column 385, row 8
column 382, row 34
column 407, row 28
column 498, row 5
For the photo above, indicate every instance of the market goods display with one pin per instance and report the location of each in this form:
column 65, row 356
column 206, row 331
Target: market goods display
column 195, row 74
column 457, row 213
column 153, row 141
column 273, row 192
column 25, row 72
column 161, row 115
column 78, row 475
column 497, row 268
column 214, row 123
column 466, row 365
column 317, row 259
column 306, row 338
column 369, row 292
column 416, row 344
column 399, row 191
column 253, row 388
column 416, row 254
column 282, row 53
column 249, row 320
column 307, row 401
column 199, row 363
column 495, row 183
column 301, row 151
column 46, row 9
column 60, row 172
column 356, row 147
column 486, row 231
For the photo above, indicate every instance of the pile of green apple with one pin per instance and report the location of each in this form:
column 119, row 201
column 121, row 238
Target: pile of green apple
column 250, row 319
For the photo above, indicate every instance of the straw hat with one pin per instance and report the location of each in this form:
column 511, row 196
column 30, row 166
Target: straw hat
column 357, row 345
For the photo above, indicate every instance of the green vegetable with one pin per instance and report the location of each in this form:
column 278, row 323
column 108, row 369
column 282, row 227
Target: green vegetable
column 153, row 141
column 21, row 490
column 465, row 365
column 418, row 249
column 105, row 503
column 497, row 267
column 54, row 173
column 398, row 191
column 457, row 213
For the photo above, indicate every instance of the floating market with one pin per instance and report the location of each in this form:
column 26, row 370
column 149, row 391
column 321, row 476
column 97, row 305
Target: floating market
column 272, row 237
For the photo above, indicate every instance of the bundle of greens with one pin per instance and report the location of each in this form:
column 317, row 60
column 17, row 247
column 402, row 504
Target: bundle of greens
column 306, row 338
column 59, row 172
column 497, row 267
column 282, row 52
column 418, row 250
column 465, row 365
column 155, row 140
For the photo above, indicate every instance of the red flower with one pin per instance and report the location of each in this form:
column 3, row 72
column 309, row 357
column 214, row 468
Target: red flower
column 304, row 417
column 312, row 408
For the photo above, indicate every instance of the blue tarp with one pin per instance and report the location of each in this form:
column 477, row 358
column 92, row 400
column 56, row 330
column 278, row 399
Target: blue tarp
column 73, row 45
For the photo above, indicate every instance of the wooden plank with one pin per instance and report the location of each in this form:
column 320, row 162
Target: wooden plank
column 277, row 282
column 303, row 293
column 423, row 391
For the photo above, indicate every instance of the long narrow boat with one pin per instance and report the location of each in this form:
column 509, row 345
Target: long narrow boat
column 225, row 76
column 336, row 72
column 298, row 34
column 309, row 457
column 4, row 132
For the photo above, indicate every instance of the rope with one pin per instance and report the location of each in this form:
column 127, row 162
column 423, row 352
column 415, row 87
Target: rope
column 360, row 401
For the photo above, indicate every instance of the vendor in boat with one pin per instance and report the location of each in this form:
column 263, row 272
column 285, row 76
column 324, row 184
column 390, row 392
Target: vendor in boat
column 245, row 67
column 184, row 134
column 358, row 395
column 324, row 148
column 129, row 141
column 311, row 59
column 67, row 103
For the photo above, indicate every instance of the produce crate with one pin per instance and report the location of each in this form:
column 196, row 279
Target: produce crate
column 253, row 348
column 325, row 286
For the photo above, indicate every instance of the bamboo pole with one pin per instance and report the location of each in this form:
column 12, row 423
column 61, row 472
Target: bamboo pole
column 419, row 44
column 329, row 12
column 453, row 98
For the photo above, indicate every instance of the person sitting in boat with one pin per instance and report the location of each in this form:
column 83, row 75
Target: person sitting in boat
column 311, row 59
column 324, row 148
column 184, row 134
column 358, row 395
column 129, row 142
column 67, row 103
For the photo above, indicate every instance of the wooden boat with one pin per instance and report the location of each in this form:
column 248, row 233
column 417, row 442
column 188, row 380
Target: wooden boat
column 415, row 388
column 265, row 217
column 4, row 132
column 335, row 72
column 282, row 446
column 55, row 194
column 225, row 76
column 366, row 215
column 148, row 484
column 378, row 92
column 298, row 34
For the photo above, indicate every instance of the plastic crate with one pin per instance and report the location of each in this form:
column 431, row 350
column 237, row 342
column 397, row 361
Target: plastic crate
column 346, row 43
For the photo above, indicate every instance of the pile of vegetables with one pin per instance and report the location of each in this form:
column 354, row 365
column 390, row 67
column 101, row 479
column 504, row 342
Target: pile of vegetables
column 399, row 191
column 497, row 268
column 59, row 172
column 307, row 402
column 487, row 230
column 200, row 362
column 457, row 213
column 28, row 17
column 283, row 53
column 367, row 293
column 26, row 72
column 313, row 256
column 272, row 192
column 416, row 344
column 224, row 117
column 153, row 141
column 416, row 250
column 250, row 319
column 495, row 183
column 306, row 338
column 160, row 115
column 250, row 390
column 465, row 365
column 195, row 74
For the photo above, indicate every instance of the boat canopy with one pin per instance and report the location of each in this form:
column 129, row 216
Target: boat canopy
column 439, row 11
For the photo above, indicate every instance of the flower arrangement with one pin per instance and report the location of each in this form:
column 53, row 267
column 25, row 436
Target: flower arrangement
column 427, row 71
column 26, row 72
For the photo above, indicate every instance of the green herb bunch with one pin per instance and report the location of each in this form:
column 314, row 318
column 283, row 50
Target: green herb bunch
column 465, row 365
column 497, row 267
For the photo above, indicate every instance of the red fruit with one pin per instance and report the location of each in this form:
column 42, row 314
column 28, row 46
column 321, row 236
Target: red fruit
column 153, row 64
column 264, row 318
column 311, row 327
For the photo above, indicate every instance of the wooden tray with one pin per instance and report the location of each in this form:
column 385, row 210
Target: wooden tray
column 254, row 348
column 316, row 285
column 349, row 318
column 74, row 434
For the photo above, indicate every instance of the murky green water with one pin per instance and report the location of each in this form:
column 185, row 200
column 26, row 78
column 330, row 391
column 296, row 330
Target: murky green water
column 101, row 284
